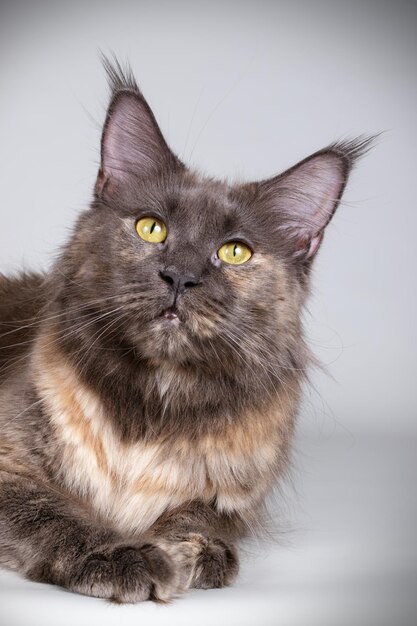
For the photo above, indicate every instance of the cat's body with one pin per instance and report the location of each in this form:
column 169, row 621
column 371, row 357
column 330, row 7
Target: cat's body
column 148, row 389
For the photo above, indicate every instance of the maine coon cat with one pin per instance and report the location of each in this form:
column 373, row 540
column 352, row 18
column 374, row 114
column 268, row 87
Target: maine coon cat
column 150, row 380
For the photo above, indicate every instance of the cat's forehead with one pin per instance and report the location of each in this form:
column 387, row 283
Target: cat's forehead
column 204, row 203
column 208, row 197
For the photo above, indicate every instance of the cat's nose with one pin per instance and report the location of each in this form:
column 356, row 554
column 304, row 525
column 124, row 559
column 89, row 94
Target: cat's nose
column 179, row 282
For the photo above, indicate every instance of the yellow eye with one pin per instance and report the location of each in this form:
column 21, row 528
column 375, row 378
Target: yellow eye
column 151, row 229
column 235, row 253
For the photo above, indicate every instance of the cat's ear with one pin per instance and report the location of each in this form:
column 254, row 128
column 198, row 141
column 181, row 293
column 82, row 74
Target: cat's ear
column 305, row 197
column 132, row 144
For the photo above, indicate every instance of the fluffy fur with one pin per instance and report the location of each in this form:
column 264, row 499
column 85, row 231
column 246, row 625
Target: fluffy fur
column 137, row 447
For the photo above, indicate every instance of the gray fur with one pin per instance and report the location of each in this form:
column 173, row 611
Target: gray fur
column 215, row 395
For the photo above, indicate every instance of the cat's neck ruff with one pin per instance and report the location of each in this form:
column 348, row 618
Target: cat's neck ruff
column 132, row 484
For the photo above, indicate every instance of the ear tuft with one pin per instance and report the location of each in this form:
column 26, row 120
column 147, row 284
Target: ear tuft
column 353, row 149
column 119, row 78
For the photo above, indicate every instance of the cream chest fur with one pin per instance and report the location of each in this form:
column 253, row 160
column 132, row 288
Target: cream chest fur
column 131, row 485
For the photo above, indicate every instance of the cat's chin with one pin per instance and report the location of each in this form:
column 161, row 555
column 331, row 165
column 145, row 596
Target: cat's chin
column 166, row 338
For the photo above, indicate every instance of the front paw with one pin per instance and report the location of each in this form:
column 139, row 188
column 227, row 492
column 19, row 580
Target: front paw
column 125, row 574
column 203, row 562
column 217, row 564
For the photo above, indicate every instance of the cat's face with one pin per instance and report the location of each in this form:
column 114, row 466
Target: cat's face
column 181, row 299
column 180, row 296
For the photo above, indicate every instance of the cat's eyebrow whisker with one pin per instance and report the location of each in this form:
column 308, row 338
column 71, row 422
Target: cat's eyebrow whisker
column 191, row 122
column 216, row 107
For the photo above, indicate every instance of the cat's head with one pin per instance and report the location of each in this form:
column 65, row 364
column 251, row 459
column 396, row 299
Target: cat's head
column 188, row 269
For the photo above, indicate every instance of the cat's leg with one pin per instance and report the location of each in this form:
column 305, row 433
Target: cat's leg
column 202, row 543
column 49, row 537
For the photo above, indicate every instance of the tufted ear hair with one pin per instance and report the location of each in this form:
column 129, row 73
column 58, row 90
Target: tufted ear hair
column 132, row 144
column 306, row 196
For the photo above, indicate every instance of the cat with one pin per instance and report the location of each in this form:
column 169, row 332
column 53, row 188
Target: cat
column 149, row 382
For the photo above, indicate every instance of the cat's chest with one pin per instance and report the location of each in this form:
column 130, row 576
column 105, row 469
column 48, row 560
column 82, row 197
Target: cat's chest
column 132, row 484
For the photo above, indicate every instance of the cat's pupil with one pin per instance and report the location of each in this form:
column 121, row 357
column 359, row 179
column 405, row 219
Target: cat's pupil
column 234, row 250
column 152, row 227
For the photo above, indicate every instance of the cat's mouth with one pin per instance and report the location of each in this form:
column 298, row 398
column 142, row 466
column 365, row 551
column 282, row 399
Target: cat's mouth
column 171, row 316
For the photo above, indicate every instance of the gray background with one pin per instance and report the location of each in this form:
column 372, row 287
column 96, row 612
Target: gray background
column 244, row 90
